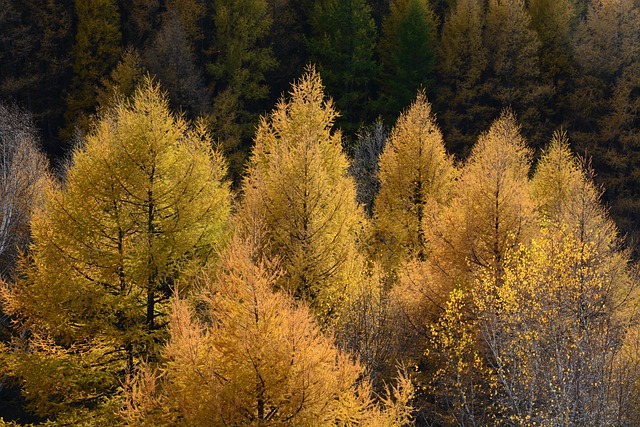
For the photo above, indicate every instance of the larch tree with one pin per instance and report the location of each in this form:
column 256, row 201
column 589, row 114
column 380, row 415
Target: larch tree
column 251, row 356
column 123, row 79
column 567, row 196
column 581, row 296
column 96, row 50
column 143, row 201
column 407, row 51
column 491, row 211
column 36, row 65
column 171, row 59
column 287, row 39
column 605, row 104
column 139, row 19
column 379, row 9
column 298, row 185
column 416, row 177
column 343, row 44
column 513, row 79
column 237, row 62
column 544, row 344
column 554, row 23
column 554, row 331
column 23, row 172
column 189, row 13
column 462, row 67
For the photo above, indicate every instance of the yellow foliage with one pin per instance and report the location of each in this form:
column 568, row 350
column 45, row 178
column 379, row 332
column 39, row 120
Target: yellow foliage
column 298, row 186
column 491, row 210
column 553, row 329
column 143, row 200
column 252, row 356
column 566, row 194
column 416, row 176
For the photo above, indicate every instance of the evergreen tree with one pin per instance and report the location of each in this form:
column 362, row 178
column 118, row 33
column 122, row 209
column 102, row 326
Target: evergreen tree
column 298, row 185
column 605, row 104
column 462, row 69
column 238, row 62
column 95, row 52
column 379, row 9
column 142, row 202
column 342, row 44
column 407, row 54
column 514, row 79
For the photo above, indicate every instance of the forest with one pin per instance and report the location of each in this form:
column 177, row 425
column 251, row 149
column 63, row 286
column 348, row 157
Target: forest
column 319, row 213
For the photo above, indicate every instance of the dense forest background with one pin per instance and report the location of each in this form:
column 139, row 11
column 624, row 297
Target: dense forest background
column 319, row 212
column 554, row 63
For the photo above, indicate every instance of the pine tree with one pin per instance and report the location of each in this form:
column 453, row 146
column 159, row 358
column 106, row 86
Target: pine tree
column 298, row 184
column 462, row 69
column 95, row 52
column 238, row 63
column 407, row 53
column 605, row 103
column 416, row 176
column 513, row 79
column 142, row 202
column 342, row 44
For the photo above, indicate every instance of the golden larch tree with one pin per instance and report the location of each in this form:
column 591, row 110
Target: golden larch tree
column 143, row 200
column 252, row 356
column 416, row 176
column 491, row 210
column 298, row 186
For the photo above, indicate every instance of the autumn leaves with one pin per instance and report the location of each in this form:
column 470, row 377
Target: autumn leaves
column 150, row 301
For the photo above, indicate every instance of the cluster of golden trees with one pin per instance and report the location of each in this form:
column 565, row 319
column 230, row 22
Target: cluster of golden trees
column 485, row 293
